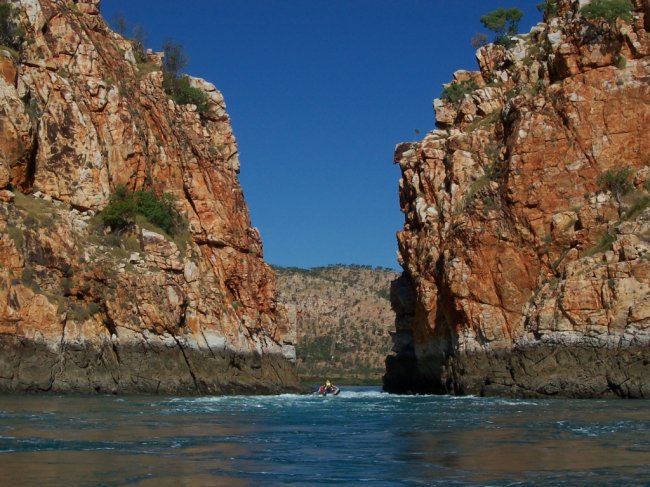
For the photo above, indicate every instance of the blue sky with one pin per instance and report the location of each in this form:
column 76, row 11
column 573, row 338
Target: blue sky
column 319, row 93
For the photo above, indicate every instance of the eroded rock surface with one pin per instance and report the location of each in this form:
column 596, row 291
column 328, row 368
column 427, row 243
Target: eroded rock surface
column 81, row 310
column 526, row 271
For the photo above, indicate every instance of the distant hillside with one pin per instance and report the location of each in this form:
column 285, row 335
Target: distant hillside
column 344, row 317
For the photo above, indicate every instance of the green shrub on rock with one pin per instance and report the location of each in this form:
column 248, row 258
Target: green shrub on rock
column 177, row 85
column 455, row 92
column 617, row 181
column 160, row 212
column 183, row 93
column 119, row 214
column 609, row 10
column 11, row 33
column 638, row 202
column 124, row 205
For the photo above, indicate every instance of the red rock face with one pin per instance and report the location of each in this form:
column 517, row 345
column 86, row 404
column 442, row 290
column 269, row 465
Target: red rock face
column 528, row 268
column 79, row 116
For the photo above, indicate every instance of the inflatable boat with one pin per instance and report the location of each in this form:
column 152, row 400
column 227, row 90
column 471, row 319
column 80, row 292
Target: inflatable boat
column 329, row 390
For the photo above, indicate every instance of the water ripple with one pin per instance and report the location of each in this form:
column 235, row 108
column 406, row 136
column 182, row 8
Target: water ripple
column 360, row 436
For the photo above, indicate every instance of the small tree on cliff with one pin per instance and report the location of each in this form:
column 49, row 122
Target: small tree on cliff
column 120, row 24
column 504, row 23
column 479, row 40
column 548, row 7
column 617, row 181
column 139, row 43
column 139, row 36
column 178, row 85
column 175, row 59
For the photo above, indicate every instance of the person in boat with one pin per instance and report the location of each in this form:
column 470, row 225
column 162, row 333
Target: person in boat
column 328, row 388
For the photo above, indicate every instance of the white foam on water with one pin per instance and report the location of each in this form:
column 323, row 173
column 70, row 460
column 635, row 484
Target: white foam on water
column 374, row 394
column 506, row 402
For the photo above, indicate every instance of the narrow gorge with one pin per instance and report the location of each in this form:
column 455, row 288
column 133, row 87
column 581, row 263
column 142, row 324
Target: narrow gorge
column 526, row 241
column 85, row 118
column 129, row 263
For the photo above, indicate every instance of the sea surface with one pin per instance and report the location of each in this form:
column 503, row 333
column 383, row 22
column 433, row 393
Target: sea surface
column 361, row 437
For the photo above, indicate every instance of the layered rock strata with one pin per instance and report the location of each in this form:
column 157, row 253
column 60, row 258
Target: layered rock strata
column 81, row 309
column 526, row 242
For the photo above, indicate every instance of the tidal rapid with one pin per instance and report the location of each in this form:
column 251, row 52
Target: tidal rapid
column 362, row 435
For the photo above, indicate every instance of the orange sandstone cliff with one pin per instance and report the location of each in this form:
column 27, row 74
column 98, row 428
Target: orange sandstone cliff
column 526, row 243
column 83, row 310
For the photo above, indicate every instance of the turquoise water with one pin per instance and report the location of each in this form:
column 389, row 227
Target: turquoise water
column 361, row 437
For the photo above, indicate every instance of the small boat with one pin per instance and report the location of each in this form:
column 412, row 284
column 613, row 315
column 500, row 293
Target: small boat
column 330, row 390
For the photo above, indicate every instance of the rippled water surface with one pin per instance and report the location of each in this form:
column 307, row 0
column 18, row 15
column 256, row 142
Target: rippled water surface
column 361, row 436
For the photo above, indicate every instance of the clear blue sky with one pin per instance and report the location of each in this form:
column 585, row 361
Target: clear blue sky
column 319, row 93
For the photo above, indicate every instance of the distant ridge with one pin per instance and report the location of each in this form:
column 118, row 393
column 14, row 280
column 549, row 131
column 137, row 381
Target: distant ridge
column 343, row 318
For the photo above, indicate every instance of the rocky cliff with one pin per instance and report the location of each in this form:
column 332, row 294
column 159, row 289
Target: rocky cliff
column 343, row 320
column 526, row 241
column 85, row 309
